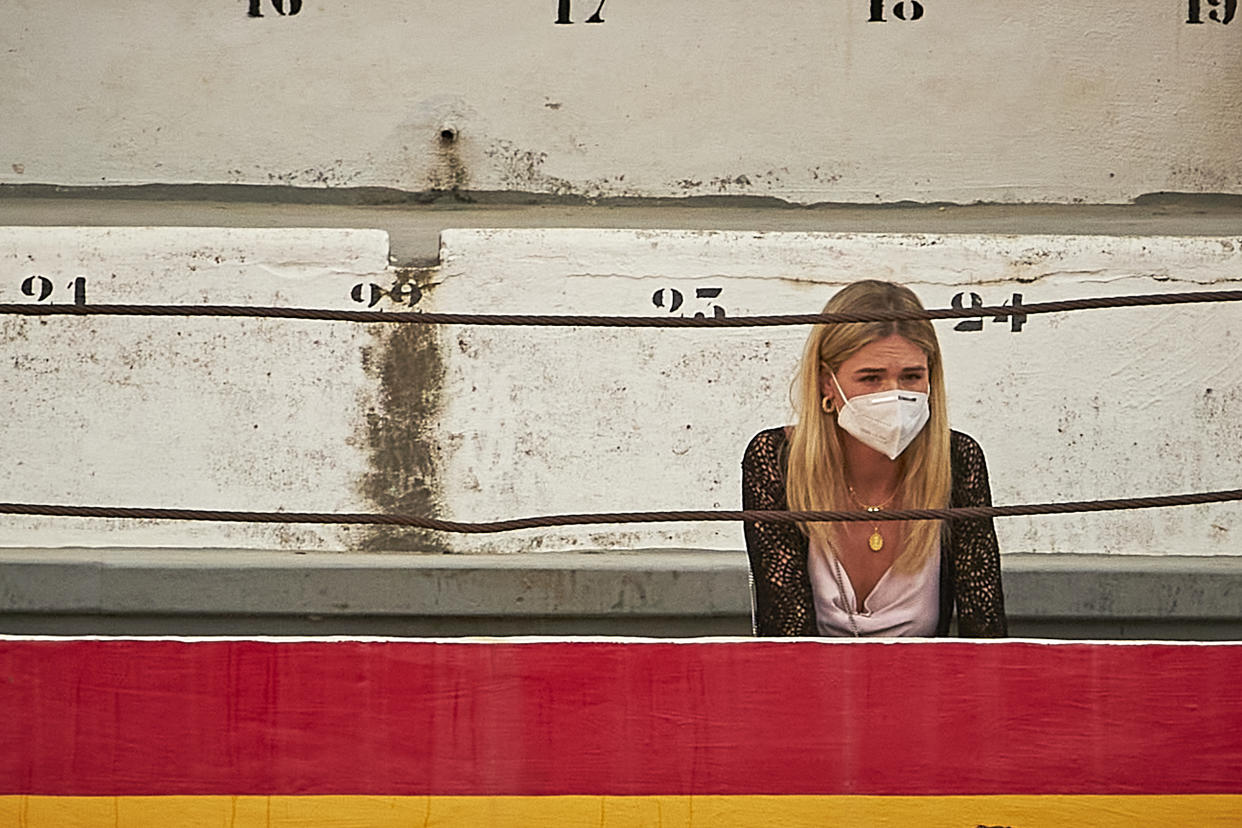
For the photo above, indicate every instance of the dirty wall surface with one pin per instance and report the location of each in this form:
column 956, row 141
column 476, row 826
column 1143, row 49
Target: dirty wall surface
column 478, row 423
column 186, row 413
column 1074, row 406
column 865, row 101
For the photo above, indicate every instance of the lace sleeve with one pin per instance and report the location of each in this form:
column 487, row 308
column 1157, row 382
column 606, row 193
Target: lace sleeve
column 975, row 555
column 777, row 551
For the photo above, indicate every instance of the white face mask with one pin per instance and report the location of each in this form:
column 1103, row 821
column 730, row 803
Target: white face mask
column 887, row 421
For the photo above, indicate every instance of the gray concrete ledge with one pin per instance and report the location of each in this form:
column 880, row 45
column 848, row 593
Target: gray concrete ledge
column 228, row 581
column 667, row 593
column 414, row 227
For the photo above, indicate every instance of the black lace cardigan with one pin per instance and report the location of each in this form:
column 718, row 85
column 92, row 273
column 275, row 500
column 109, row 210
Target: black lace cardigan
column 970, row 575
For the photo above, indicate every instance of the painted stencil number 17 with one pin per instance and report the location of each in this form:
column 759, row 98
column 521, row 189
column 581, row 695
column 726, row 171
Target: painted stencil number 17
column 564, row 12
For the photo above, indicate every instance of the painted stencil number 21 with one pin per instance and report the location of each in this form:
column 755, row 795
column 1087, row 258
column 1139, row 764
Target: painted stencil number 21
column 40, row 289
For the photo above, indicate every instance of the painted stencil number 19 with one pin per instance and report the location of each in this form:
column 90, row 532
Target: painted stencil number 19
column 1221, row 11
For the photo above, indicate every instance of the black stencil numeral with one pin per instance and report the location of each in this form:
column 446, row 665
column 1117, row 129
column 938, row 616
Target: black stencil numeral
column 672, row 300
column 256, row 9
column 402, row 292
column 1016, row 318
column 40, row 288
column 968, row 325
column 564, row 14
column 1219, row 11
column 902, row 10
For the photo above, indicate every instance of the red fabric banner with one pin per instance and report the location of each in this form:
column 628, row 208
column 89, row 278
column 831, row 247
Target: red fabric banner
column 162, row 717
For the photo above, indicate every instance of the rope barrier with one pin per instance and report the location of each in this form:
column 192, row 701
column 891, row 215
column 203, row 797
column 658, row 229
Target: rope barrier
column 430, row 318
column 462, row 527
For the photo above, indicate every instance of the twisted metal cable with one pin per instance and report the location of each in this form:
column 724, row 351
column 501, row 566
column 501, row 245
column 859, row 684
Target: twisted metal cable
column 463, row 527
column 413, row 521
column 431, row 318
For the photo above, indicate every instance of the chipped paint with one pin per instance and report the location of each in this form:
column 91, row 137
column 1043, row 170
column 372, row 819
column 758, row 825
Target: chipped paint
column 1095, row 404
column 825, row 106
column 186, row 413
column 479, row 423
column 515, row 168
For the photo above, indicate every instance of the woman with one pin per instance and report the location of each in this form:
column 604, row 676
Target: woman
column 872, row 433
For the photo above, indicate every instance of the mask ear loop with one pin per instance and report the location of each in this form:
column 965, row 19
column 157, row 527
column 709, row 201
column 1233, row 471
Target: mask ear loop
column 824, row 402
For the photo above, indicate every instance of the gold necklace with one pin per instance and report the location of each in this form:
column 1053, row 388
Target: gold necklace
column 876, row 541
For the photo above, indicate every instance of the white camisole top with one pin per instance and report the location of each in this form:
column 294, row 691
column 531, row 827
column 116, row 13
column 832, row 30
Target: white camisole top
column 901, row 604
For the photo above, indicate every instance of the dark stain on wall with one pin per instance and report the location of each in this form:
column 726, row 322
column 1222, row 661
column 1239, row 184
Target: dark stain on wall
column 405, row 360
column 449, row 174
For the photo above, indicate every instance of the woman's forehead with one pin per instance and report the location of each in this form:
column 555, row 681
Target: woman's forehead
column 893, row 351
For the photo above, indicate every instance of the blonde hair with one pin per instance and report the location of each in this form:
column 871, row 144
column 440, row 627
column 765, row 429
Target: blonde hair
column 816, row 469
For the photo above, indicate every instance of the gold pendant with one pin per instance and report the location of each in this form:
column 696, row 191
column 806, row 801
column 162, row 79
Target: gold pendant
column 876, row 541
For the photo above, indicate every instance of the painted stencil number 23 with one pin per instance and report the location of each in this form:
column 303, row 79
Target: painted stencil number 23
column 672, row 300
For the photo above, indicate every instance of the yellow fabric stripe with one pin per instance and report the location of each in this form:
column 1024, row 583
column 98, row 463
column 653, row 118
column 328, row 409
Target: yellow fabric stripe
column 616, row 811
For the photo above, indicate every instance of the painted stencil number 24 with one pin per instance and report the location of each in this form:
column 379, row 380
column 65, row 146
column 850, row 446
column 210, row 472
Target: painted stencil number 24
column 1015, row 318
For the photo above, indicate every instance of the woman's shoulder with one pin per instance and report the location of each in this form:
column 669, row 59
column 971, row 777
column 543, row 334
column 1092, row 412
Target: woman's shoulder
column 963, row 445
column 765, row 448
column 769, row 439
column 970, row 470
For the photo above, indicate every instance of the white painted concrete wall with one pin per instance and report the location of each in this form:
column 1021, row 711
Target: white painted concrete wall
column 804, row 100
column 183, row 413
column 237, row 414
column 1079, row 406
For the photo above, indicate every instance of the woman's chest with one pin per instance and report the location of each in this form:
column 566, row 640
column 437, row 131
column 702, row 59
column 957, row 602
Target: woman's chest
column 861, row 563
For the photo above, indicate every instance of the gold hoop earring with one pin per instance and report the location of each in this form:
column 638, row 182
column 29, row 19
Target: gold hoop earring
column 826, row 404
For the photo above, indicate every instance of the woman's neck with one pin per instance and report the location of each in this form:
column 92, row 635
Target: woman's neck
column 871, row 474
